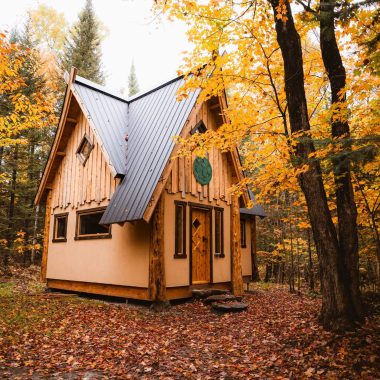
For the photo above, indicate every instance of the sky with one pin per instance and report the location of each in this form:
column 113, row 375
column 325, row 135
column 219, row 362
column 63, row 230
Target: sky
column 133, row 35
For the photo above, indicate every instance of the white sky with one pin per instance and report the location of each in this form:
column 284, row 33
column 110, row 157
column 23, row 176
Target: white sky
column 154, row 47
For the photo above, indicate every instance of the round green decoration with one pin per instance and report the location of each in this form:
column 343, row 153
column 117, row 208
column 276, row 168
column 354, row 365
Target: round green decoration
column 202, row 170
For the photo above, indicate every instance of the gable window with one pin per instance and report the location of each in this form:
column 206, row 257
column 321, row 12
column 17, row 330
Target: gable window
column 180, row 230
column 84, row 150
column 88, row 226
column 243, row 233
column 60, row 228
column 199, row 128
column 219, row 232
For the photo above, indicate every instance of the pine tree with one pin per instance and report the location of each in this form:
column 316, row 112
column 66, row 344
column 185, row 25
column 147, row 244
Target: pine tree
column 83, row 46
column 133, row 85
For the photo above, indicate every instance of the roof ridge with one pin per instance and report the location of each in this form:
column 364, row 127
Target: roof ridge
column 104, row 90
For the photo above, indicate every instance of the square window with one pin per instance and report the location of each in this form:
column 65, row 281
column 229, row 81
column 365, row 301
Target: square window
column 84, row 149
column 88, row 226
column 243, row 234
column 60, row 228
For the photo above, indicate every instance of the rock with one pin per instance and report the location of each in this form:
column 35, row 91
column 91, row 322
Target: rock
column 226, row 307
column 221, row 298
column 207, row 292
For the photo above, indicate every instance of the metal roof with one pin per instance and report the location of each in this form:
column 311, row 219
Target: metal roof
column 256, row 210
column 154, row 118
column 109, row 115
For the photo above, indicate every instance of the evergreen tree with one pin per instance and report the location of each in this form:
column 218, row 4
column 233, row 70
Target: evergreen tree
column 133, row 85
column 83, row 47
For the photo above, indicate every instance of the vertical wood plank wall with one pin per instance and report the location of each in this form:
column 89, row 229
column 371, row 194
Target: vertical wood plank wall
column 181, row 178
column 76, row 184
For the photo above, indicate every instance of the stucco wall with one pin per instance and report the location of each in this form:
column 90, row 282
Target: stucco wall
column 121, row 260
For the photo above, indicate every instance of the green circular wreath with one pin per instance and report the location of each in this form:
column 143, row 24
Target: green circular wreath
column 202, row 170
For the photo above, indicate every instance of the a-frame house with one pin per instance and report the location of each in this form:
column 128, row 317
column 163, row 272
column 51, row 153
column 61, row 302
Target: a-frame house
column 125, row 218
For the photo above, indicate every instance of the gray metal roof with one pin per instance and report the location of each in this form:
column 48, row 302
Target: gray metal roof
column 109, row 115
column 154, row 118
column 256, row 210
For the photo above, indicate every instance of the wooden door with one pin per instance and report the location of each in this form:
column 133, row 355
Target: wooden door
column 200, row 246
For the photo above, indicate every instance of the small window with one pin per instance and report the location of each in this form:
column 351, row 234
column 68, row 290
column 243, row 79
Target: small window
column 88, row 226
column 84, row 149
column 219, row 232
column 199, row 128
column 60, row 228
column 180, row 230
column 243, row 234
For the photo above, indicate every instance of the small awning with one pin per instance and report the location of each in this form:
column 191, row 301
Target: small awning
column 256, row 210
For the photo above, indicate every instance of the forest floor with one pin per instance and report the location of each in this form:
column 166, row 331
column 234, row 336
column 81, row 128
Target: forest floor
column 47, row 335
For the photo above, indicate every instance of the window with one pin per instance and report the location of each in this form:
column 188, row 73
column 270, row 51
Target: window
column 60, row 228
column 199, row 128
column 180, row 230
column 243, row 235
column 84, row 149
column 219, row 232
column 88, row 226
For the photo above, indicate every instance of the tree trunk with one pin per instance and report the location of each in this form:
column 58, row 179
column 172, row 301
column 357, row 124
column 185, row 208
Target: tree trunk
column 311, row 269
column 345, row 203
column 34, row 240
column 157, row 280
column 338, row 310
column 236, row 270
column 254, row 266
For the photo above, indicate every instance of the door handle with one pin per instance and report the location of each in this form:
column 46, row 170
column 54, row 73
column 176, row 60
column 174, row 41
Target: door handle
column 204, row 238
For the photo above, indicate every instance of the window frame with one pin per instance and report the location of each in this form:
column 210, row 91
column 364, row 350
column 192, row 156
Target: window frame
column 221, row 211
column 177, row 254
column 243, row 233
column 80, row 156
column 56, row 239
column 90, row 211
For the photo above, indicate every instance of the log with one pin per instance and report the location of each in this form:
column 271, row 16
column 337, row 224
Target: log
column 46, row 237
column 157, row 280
column 236, row 270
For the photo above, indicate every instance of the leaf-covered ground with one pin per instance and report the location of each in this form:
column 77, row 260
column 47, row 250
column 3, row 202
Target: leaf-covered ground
column 47, row 336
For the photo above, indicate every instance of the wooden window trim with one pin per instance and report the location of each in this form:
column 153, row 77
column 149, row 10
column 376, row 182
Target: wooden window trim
column 78, row 154
column 182, row 255
column 57, row 216
column 243, row 244
column 220, row 254
column 90, row 236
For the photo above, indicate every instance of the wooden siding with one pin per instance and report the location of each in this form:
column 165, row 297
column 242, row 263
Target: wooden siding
column 181, row 178
column 76, row 184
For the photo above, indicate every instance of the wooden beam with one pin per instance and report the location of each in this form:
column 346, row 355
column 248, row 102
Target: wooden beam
column 157, row 280
column 236, row 270
column 71, row 120
column 61, row 154
column 46, row 236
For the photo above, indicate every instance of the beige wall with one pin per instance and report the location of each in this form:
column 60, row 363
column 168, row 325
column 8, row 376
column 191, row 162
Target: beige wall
column 246, row 252
column 121, row 260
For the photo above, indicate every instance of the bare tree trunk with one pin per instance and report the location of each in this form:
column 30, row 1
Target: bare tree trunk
column 34, row 241
column 346, row 207
column 311, row 269
column 338, row 309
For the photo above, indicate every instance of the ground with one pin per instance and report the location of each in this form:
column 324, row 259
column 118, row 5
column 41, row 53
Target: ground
column 51, row 336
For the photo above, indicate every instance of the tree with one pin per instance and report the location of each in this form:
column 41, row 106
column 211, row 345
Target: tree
column 83, row 46
column 279, row 108
column 133, row 85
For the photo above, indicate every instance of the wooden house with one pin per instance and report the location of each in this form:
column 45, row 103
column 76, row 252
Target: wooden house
column 125, row 218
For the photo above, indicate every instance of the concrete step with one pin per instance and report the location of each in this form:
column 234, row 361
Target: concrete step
column 226, row 307
column 221, row 298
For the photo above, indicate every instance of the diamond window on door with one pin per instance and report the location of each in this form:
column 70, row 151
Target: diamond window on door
column 196, row 223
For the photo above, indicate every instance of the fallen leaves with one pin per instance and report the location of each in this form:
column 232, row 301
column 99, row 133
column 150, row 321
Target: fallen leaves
column 277, row 338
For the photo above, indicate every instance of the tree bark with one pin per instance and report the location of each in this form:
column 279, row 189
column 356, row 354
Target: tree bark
column 157, row 280
column 311, row 268
column 254, row 266
column 345, row 203
column 338, row 311
column 236, row 270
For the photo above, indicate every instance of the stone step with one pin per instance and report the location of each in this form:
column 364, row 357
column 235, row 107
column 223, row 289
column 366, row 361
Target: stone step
column 221, row 298
column 226, row 307
column 207, row 292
